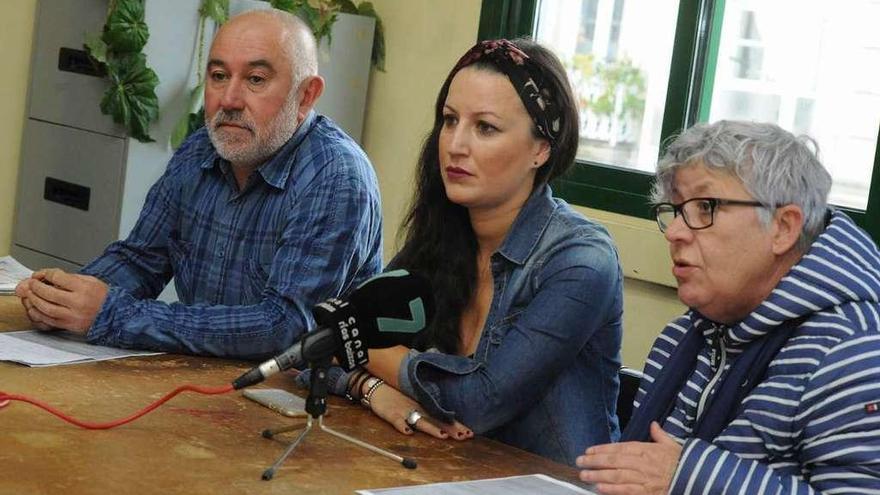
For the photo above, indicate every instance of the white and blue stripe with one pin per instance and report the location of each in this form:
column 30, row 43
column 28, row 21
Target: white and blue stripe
column 805, row 428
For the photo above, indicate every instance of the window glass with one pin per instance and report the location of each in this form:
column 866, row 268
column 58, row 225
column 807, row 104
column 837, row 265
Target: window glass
column 812, row 67
column 617, row 53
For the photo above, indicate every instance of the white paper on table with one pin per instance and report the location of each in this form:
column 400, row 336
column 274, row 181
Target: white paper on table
column 514, row 485
column 51, row 348
column 11, row 273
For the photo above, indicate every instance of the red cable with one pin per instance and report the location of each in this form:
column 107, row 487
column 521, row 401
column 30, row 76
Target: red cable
column 5, row 398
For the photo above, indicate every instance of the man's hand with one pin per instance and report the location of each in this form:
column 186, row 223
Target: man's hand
column 55, row 299
column 23, row 291
column 632, row 467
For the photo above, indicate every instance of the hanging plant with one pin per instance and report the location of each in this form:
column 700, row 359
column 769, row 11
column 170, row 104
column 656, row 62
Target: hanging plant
column 321, row 14
column 366, row 9
column 217, row 11
column 131, row 97
column 318, row 14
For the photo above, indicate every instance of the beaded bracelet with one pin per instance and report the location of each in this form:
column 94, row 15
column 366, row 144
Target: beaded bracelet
column 367, row 385
column 373, row 384
column 359, row 387
column 349, row 384
column 355, row 382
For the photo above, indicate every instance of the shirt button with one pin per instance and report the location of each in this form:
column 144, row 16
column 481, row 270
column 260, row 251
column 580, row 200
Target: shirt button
column 220, row 253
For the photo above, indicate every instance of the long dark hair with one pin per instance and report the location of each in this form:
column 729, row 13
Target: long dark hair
column 439, row 239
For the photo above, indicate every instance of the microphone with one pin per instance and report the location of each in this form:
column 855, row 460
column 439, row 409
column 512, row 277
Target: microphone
column 387, row 310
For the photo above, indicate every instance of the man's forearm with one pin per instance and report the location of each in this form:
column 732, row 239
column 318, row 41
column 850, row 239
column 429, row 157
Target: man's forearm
column 255, row 331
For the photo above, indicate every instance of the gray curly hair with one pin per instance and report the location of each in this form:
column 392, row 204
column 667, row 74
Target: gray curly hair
column 775, row 166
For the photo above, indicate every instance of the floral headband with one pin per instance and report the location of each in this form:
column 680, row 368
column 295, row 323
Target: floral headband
column 527, row 78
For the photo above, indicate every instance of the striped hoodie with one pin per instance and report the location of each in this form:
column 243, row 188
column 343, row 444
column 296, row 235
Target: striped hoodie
column 813, row 424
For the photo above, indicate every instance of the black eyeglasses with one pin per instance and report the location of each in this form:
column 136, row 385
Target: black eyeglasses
column 698, row 213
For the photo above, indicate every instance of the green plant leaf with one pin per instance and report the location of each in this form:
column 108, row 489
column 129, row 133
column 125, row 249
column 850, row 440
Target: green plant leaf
column 323, row 25
column 125, row 30
column 218, row 10
column 310, row 15
column 378, row 56
column 96, row 47
column 131, row 99
column 319, row 19
column 345, row 6
column 285, row 5
column 183, row 128
column 189, row 124
column 180, row 132
column 196, row 121
column 620, row 80
column 585, row 64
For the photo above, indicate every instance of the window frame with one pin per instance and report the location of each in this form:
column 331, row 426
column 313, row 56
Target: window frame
column 691, row 80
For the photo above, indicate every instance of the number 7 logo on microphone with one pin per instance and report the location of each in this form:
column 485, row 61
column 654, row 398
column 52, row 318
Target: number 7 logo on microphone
column 414, row 324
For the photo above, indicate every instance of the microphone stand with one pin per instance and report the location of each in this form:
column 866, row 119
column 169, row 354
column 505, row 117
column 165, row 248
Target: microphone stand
column 316, row 406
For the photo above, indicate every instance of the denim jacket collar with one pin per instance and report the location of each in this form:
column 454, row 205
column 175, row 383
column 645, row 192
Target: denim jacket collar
column 275, row 171
column 529, row 225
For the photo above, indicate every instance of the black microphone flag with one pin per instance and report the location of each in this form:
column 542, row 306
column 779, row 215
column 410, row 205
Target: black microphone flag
column 387, row 310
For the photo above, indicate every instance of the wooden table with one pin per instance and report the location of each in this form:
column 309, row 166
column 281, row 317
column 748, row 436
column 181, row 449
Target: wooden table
column 207, row 444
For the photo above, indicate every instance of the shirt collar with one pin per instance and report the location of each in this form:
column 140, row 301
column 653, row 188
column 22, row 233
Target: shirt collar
column 529, row 225
column 278, row 168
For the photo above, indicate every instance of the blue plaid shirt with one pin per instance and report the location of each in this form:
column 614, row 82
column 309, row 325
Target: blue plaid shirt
column 248, row 264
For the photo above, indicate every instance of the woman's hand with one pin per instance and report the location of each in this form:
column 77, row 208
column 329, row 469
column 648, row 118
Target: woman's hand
column 394, row 407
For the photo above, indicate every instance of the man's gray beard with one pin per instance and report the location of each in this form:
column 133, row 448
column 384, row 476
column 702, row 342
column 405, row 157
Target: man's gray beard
column 263, row 143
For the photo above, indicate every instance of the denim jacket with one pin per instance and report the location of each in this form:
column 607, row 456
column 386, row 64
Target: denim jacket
column 544, row 375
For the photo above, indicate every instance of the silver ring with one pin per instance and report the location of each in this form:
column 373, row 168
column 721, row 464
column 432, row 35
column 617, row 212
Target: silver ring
column 413, row 417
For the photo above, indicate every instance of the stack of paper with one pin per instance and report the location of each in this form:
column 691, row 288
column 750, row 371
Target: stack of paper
column 56, row 347
column 514, row 485
column 11, row 273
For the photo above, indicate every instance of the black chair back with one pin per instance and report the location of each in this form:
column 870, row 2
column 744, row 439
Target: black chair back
column 629, row 385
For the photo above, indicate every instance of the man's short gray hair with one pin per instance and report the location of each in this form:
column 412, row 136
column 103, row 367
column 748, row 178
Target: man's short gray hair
column 299, row 43
column 775, row 166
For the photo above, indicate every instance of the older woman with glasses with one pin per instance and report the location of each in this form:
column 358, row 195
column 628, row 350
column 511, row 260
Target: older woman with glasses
column 770, row 383
column 697, row 213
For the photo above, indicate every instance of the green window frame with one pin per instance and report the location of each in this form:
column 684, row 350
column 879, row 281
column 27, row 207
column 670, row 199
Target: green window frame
column 691, row 78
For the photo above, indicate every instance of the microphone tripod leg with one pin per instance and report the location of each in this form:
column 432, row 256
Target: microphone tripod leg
column 270, row 472
column 271, row 432
column 407, row 462
column 316, row 406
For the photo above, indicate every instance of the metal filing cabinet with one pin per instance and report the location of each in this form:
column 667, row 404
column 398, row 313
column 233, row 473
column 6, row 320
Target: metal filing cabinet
column 82, row 181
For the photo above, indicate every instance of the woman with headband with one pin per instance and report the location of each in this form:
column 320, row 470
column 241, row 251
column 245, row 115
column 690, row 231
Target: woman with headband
column 525, row 344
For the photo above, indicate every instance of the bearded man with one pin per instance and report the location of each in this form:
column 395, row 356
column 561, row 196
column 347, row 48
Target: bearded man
column 263, row 213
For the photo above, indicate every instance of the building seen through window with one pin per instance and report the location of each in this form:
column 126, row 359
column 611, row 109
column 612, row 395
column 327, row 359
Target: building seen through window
column 810, row 66
column 617, row 53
